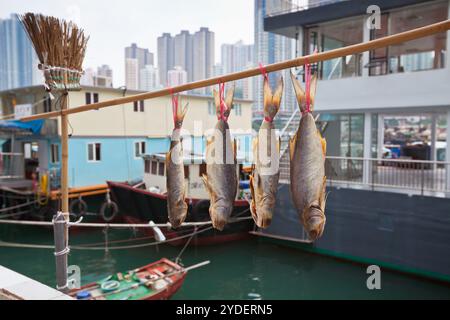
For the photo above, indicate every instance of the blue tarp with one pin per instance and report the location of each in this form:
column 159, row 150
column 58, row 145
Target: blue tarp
column 34, row 126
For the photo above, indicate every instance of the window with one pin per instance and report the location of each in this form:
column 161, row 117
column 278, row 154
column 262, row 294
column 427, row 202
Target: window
column 54, row 153
column 211, row 108
column 147, row 166
column 91, row 97
column 139, row 149
column 335, row 35
column 237, row 109
column 138, row 106
column 421, row 54
column 154, row 167
column 161, row 169
column 186, row 172
column 47, row 104
column 88, row 97
column 94, row 152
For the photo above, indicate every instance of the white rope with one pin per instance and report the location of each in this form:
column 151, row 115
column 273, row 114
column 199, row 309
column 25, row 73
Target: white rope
column 117, row 225
column 17, row 206
column 36, row 246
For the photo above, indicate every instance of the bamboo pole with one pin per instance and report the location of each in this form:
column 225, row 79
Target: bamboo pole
column 327, row 55
column 61, row 230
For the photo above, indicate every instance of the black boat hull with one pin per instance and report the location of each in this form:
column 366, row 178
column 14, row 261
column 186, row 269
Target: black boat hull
column 141, row 206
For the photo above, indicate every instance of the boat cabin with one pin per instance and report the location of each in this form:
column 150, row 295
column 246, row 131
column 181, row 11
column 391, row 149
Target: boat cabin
column 194, row 168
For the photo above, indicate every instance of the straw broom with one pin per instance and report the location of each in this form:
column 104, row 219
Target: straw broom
column 60, row 47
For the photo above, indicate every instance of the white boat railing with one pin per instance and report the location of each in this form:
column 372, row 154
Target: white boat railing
column 8, row 165
column 397, row 175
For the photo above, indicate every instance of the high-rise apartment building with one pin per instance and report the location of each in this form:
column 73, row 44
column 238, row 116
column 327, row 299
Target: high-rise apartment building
column 203, row 56
column 177, row 76
column 271, row 48
column 149, row 78
column 165, row 56
column 132, row 74
column 18, row 60
column 142, row 58
column 183, row 52
column 237, row 57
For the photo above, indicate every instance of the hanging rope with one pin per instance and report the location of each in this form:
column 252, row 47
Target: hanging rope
column 263, row 71
column 223, row 105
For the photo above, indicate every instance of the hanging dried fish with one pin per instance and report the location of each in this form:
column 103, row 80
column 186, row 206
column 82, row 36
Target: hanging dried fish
column 221, row 179
column 266, row 152
column 307, row 154
column 176, row 186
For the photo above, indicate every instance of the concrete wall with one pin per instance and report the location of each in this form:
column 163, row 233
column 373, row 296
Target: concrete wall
column 419, row 91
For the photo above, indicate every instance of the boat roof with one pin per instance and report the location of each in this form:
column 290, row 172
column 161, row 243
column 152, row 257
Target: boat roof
column 188, row 158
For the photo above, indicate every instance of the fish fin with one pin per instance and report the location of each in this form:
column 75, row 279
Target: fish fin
column 292, row 142
column 268, row 95
column 323, row 194
column 253, row 202
column 299, row 93
column 255, row 149
column 185, row 109
column 278, row 94
column 229, row 97
column 312, row 90
column 323, row 142
column 217, row 101
column 279, row 145
column 208, row 187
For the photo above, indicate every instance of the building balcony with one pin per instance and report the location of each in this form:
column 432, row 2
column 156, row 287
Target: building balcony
column 420, row 91
column 284, row 18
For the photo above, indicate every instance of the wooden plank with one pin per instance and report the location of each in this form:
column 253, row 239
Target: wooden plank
column 322, row 56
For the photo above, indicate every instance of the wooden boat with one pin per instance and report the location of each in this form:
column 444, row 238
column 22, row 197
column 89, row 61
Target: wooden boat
column 147, row 201
column 159, row 280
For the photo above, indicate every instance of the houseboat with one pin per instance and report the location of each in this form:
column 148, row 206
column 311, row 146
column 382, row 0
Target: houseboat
column 387, row 212
column 104, row 145
column 147, row 202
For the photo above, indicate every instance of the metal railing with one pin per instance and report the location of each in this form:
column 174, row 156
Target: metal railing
column 394, row 174
column 8, row 165
column 288, row 6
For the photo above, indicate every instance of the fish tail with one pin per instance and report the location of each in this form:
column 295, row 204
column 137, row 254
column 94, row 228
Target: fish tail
column 224, row 105
column 272, row 102
column 301, row 95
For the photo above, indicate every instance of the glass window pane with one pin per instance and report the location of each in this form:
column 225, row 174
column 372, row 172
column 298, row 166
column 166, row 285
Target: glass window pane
column 97, row 151
column 154, row 167
column 161, row 169
column 90, row 152
column 421, row 54
column 88, row 97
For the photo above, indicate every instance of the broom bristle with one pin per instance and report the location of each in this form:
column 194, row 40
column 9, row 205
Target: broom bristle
column 57, row 42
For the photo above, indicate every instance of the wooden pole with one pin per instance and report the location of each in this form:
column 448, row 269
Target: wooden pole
column 59, row 230
column 61, row 226
column 327, row 55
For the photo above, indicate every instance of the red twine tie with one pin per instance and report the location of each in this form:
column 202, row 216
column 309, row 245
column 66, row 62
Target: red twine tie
column 174, row 107
column 223, row 105
column 308, row 86
column 263, row 71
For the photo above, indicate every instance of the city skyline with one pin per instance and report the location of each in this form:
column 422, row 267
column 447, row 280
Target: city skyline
column 141, row 23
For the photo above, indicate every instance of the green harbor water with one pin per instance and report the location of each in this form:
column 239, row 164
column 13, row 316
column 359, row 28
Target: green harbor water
column 249, row 269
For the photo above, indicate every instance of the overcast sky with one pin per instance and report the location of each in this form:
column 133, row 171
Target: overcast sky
column 112, row 25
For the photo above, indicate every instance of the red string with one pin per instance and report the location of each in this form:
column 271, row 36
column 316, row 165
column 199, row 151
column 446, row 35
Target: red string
column 308, row 86
column 263, row 71
column 223, row 106
column 174, row 107
column 267, row 119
